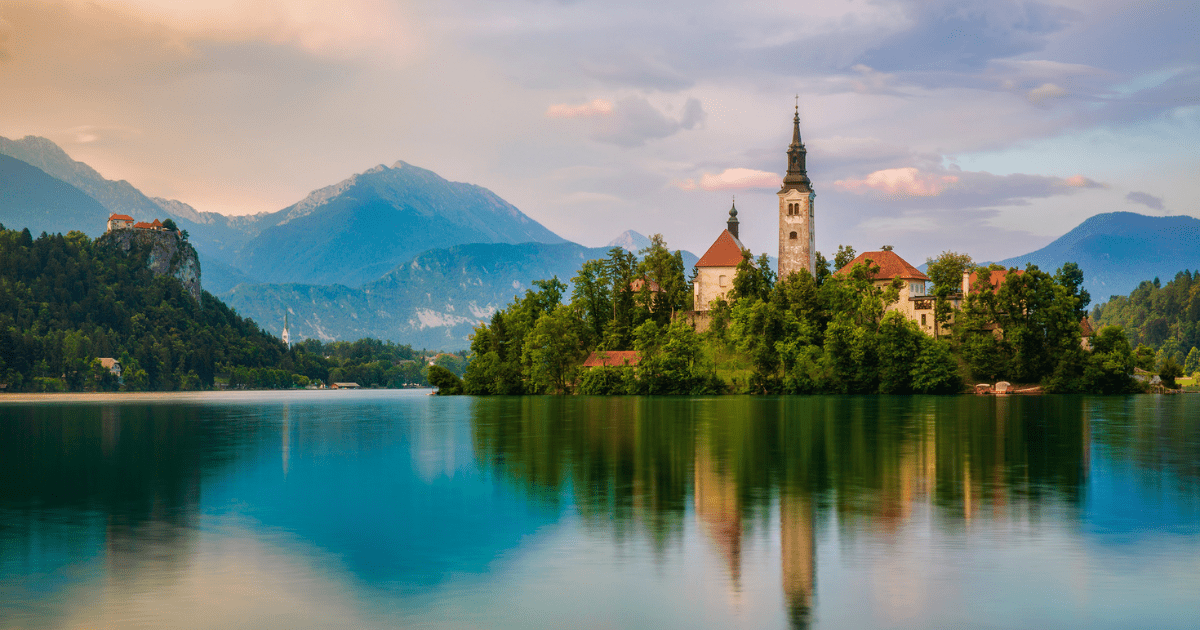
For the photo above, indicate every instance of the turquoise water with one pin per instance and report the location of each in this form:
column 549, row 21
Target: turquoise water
column 366, row 509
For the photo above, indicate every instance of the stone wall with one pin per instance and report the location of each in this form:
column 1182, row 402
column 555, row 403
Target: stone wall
column 169, row 255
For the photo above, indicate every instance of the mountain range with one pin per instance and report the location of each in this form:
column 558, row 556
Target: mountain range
column 400, row 253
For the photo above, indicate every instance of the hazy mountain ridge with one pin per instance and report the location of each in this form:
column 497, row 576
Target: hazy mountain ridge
column 435, row 300
column 359, row 229
column 1118, row 250
column 31, row 198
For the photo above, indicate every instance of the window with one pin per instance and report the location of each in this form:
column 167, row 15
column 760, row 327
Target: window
column 792, row 236
column 721, row 281
column 922, row 319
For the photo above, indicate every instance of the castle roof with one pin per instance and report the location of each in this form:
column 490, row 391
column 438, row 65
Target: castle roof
column 726, row 251
column 119, row 217
column 891, row 265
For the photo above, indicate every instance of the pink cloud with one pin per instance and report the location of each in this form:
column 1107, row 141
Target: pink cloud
column 739, row 178
column 592, row 109
column 1079, row 181
column 900, row 182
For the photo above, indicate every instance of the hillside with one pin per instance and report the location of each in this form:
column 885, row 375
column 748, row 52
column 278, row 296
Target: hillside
column 67, row 300
column 1118, row 250
column 357, row 230
column 30, row 198
column 434, row 300
column 214, row 235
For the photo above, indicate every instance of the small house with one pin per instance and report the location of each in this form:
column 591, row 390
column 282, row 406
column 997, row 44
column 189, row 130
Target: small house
column 350, row 385
column 119, row 221
column 112, row 365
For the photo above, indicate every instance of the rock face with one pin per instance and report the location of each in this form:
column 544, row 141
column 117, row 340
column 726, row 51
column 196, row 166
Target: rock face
column 169, row 255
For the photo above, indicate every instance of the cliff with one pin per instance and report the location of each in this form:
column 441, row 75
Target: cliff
column 169, row 255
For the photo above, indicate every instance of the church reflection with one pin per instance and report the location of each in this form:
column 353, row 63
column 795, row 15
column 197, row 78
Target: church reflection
column 866, row 466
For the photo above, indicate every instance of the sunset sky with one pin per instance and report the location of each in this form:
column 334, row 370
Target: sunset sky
column 988, row 127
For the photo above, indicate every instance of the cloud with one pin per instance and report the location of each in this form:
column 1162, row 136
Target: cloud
column 739, row 179
column 634, row 121
column 900, row 182
column 1079, row 181
column 967, row 34
column 1044, row 92
column 591, row 109
column 954, row 188
column 1146, row 199
column 338, row 29
column 693, row 115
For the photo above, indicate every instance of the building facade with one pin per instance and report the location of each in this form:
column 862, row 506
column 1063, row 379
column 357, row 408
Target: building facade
column 797, row 234
column 718, row 265
column 915, row 303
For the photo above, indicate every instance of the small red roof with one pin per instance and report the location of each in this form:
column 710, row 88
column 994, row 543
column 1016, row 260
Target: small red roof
column 637, row 285
column 143, row 225
column 996, row 277
column 613, row 358
column 156, row 223
column 891, row 265
column 1085, row 328
column 119, row 217
column 726, row 251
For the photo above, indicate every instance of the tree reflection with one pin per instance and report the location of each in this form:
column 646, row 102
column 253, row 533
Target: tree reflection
column 635, row 464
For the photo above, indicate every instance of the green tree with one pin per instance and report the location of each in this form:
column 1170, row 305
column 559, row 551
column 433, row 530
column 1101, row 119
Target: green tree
column 946, row 273
column 845, row 255
column 551, row 352
column 446, row 382
column 1191, row 365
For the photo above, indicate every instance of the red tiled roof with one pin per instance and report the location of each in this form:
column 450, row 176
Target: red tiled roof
column 726, row 251
column 891, row 265
column 996, row 277
column 613, row 358
column 143, row 225
column 119, row 217
column 156, row 223
column 637, row 285
column 1085, row 328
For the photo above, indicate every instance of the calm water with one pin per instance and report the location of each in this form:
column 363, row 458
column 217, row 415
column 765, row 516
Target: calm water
column 396, row 509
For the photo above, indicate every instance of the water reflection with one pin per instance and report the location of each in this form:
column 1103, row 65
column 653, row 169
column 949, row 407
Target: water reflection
column 377, row 510
column 866, row 465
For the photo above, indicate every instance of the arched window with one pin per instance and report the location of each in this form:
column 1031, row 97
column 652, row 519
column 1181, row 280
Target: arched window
column 792, row 235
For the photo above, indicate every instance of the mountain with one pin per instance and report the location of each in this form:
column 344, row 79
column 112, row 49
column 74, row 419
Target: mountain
column 213, row 235
column 30, row 198
column 1118, row 250
column 433, row 301
column 357, row 230
column 630, row 240
column 635, row 242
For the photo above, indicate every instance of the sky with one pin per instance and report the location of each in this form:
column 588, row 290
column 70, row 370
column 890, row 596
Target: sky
column 987, row 127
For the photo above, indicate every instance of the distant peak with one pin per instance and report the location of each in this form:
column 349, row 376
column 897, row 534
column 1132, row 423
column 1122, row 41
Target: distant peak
column 630, row 240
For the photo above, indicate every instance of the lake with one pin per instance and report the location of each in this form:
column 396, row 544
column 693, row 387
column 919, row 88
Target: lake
column 385, row 509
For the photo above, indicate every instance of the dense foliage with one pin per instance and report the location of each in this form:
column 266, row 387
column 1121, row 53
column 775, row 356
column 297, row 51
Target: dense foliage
column 537, row 344
column 829, row 333
column 66, row 302
column 1165, row 319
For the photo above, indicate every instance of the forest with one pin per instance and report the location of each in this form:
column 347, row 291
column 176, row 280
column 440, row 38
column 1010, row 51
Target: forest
column 66, row 302
column 828, row 333
column 1165, row 319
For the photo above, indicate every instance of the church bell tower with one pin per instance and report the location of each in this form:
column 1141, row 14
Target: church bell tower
column 797, row 237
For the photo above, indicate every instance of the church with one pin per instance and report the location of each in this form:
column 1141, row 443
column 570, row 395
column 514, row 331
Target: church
column 797, row 249
column 797, row 239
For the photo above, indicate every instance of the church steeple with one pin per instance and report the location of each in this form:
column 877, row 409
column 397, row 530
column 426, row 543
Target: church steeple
column 732, row 223
column 797, row 176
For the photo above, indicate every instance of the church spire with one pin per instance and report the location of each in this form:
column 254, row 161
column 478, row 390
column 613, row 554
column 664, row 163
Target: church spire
column 797, row 176
column 733, row 220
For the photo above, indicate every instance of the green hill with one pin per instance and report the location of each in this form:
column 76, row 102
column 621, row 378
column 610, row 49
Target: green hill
column 68, row 300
